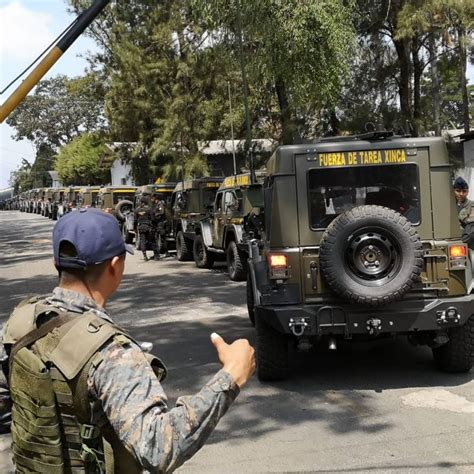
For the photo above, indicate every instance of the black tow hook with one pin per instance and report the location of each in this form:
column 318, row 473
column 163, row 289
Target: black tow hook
column 374, row 326
column 298, row 326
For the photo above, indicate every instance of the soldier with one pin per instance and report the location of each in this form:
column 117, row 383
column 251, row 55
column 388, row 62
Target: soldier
column 144, row 219
column 159, row 218
column 466, row 210
column 86, row 398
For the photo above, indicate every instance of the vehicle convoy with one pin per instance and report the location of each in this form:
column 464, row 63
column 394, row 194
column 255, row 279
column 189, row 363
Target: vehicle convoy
column 235, row 220
column 362, row 240
column 124, row 209
column 192, row 201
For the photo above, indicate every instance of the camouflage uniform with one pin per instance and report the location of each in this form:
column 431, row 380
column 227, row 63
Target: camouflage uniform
column 134, row 402
column 466, row 212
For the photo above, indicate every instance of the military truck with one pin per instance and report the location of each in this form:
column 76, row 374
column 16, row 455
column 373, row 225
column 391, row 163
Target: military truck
column 87, row 196
column 109, row 196
column 125, row 209
column 192, row 200
column 362, row 240
column 235, row 220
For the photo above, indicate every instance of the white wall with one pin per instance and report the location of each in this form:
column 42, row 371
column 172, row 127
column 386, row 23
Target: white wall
column 121, row 173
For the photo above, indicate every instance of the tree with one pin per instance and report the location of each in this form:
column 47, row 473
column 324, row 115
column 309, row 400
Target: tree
column 298, row 48
column 21, row 179
column 79, row 162
column 60, row 109
column 452, row 21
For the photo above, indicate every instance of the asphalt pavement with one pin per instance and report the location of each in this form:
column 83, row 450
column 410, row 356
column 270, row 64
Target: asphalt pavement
column 369, row 407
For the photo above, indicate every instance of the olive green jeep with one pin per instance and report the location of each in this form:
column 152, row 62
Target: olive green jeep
column 109, row 197
column 235, row 220
column 192, row 200
column 362, row 240
column 87, row 196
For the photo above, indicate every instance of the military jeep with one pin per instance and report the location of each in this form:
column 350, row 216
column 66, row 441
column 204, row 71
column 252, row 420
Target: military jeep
column 362, row 240
column 109, row 197
column 234, row 221
column 192, row 200
column 87, row 196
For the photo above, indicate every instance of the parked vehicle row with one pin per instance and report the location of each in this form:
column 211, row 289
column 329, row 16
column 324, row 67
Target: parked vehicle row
column 349, row 238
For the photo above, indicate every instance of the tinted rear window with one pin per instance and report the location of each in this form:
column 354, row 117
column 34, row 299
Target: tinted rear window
column 335, row 190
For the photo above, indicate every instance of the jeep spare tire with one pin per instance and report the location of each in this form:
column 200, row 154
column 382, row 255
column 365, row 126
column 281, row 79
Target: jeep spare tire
column 371, row 255
column 123, row 207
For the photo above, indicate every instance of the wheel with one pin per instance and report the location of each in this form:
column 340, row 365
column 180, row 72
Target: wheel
column 202, row 257
column 371, row 255
column 122, row 208
column 127, row 236
column 250, row 300
column 457, row 355
column 183, row 254
column 236, row 262
column 272, row 353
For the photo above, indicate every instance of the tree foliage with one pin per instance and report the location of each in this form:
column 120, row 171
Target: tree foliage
column 59, row 110
column 80, row 161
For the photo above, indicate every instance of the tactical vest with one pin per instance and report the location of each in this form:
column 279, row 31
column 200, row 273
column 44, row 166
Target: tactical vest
column 144, row 219
column 50, row 355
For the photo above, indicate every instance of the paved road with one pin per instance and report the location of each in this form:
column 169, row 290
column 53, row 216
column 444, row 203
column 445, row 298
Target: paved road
column 371, row 407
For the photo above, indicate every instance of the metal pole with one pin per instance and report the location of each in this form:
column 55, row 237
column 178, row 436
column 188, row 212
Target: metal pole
column 232, row 129
column 248, row 138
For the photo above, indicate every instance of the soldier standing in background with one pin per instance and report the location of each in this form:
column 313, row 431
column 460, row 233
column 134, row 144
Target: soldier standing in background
column 96, row 393
column 144, row 219
column 465, row 210
column 159, row 215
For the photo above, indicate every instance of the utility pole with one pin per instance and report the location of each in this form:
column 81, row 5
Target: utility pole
column 248, row 137
column 232, row 129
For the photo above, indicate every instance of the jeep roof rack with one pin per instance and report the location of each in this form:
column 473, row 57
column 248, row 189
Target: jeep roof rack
column 373, row 135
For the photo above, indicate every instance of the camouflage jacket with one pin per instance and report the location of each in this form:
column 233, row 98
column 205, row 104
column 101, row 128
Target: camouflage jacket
column 466, row 212
column 134, row 402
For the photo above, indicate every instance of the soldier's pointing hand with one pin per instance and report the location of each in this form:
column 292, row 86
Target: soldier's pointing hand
column 238, row 358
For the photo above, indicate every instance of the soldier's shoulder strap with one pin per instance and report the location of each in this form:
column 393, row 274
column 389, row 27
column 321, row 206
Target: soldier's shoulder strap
column 22, row 319
column 81, row 341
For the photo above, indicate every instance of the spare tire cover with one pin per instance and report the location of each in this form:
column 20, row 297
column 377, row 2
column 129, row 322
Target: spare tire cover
column 371, row 255
column 124, row 203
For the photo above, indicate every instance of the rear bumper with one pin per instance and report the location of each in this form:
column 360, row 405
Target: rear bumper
column 400, row 317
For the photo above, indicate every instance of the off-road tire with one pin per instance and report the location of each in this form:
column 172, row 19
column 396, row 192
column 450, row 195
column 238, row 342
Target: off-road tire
column 395, row 235
column 183, row 253
column 272, row 353
column 202, row 257
column 250, row 300
column 457, row 355
column 118, row 208
column 236, row 262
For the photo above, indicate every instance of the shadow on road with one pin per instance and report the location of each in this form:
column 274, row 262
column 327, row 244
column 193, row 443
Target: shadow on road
column 324, row 387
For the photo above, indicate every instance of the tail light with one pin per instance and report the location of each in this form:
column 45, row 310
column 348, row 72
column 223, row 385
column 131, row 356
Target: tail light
column 457, row 257
column 278, row 264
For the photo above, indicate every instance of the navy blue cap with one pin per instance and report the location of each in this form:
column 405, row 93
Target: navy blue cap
column 95, row 235
column 460, row 183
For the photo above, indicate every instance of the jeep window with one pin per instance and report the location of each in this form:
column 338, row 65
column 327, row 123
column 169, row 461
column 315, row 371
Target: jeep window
column 335, row 190
column 208, row 196
column 229, row 201
column 218, row 203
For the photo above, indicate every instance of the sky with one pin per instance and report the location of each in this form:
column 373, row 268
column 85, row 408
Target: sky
column 27, row 27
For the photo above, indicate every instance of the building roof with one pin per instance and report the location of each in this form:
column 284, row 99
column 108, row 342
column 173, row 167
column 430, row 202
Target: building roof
column 224, row 147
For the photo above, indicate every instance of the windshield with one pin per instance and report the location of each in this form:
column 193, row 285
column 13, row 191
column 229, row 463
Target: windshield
column 336, row 190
